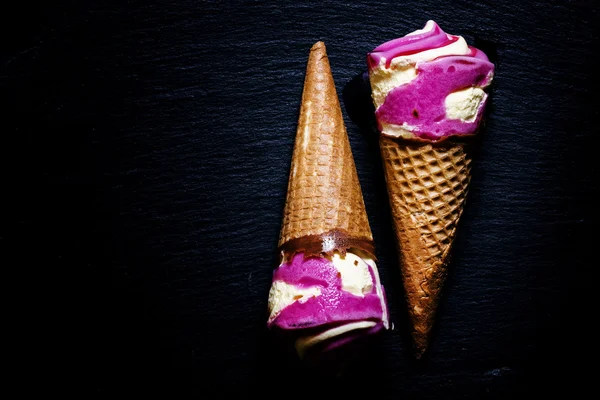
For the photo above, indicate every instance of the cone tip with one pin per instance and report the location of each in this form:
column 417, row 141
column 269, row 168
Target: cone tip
column 420, row 342
column 320, row 45
column 419, row 353
column 317, row 60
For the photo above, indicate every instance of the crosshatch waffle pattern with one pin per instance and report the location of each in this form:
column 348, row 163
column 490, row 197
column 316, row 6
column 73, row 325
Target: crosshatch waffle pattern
column 324, row 192
column 427, row 186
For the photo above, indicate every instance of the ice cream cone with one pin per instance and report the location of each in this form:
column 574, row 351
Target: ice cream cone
column 429, row 91
column 326, row 295
column 427, row 186
column 324, row 207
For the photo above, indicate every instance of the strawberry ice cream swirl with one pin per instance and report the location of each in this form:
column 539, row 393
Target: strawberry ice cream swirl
column 324, row 303
column 429, row 85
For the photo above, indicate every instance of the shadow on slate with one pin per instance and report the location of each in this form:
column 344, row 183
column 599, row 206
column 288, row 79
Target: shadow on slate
column 356, row 96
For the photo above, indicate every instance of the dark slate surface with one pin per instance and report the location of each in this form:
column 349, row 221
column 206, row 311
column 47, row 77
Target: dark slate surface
column 151, row 163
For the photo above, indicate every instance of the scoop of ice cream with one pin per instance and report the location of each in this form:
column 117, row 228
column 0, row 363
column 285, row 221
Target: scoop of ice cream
column 327, row 302
column 429, row 85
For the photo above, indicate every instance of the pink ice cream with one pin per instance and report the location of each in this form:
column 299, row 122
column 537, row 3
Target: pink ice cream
column 429, row 85
column 327, row 302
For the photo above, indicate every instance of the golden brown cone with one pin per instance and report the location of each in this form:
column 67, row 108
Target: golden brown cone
column 323, row 193
column 427, row 185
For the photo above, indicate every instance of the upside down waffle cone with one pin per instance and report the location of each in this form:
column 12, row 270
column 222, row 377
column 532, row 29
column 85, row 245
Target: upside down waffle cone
column 324, row 195
column 427, row 185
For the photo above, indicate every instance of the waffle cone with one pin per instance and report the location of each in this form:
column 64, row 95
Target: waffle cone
column 324, row 194
column 427, row 185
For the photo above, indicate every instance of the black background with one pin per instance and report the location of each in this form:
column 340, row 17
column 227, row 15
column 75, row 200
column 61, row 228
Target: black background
column 146, row 156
